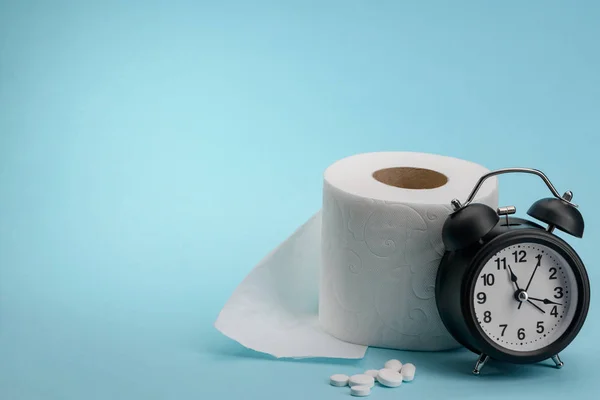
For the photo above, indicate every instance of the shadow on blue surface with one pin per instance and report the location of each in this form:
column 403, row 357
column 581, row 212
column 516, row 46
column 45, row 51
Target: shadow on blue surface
column 458, row 363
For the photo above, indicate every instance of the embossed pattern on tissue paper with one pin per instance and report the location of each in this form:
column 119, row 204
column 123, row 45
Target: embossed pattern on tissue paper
column 381, row 269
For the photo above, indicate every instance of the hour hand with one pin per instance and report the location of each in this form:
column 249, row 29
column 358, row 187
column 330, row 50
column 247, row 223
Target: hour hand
column 513, row 278
column 546, row 301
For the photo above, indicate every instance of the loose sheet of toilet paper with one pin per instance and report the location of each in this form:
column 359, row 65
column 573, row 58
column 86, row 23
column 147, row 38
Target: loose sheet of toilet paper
column 361, row 271
column 275, row 309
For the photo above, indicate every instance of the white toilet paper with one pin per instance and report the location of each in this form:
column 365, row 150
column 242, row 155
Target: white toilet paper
column 382, row 245
column 361, row 272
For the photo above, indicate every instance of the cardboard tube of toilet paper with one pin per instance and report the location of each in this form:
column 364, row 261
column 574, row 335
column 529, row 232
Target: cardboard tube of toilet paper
column 381, row 246
column 361, row 271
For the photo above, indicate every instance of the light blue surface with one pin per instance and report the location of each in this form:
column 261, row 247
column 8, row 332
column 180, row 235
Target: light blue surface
column 151, row 153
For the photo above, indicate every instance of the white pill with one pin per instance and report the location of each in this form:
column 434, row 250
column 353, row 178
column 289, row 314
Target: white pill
column 389, row 377
column 360, row 391
column 372, row 372
column 408, row 372
column 338, row 380
column 361, row 380
column 393, row 364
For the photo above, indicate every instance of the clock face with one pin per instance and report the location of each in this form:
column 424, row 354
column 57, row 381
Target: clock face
column 525, row 297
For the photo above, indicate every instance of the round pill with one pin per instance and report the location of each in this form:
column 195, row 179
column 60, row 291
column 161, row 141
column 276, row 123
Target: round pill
column 393, row 364
column 372, row 372
column 408, row 372
column 389, row 377
column 360, row 391
column 361, row 380
column 338, row 380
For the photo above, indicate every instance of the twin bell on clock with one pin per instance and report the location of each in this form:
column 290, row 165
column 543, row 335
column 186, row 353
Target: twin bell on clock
column 508, row 288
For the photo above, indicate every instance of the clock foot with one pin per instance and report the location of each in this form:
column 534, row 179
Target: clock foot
column 558, row 361
column 480, row 363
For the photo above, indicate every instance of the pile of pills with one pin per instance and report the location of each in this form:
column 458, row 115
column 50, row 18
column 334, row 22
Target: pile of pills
column 392, row 374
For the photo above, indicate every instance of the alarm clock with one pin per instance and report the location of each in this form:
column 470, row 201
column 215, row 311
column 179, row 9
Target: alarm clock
column 508, row 288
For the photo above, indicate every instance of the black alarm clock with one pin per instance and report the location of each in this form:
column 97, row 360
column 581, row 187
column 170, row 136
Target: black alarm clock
column 507, row 288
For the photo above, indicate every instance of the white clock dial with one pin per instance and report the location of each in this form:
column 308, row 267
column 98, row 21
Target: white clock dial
column 544, row 278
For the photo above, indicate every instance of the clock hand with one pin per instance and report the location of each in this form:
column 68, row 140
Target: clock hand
column 535, row 305
column 546, row 301
column 530, row 279
column 513, row 278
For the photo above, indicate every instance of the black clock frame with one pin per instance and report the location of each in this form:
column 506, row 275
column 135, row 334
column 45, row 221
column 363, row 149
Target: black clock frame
column 455, row 285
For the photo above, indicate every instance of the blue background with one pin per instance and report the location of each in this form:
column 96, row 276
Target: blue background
column 152, row 152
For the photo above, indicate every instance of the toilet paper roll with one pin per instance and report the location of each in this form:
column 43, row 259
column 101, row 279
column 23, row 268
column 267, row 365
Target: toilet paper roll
column 382, row 243
column 361, row 271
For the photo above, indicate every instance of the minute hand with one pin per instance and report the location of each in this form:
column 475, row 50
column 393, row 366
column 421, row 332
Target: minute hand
column 545, row 301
